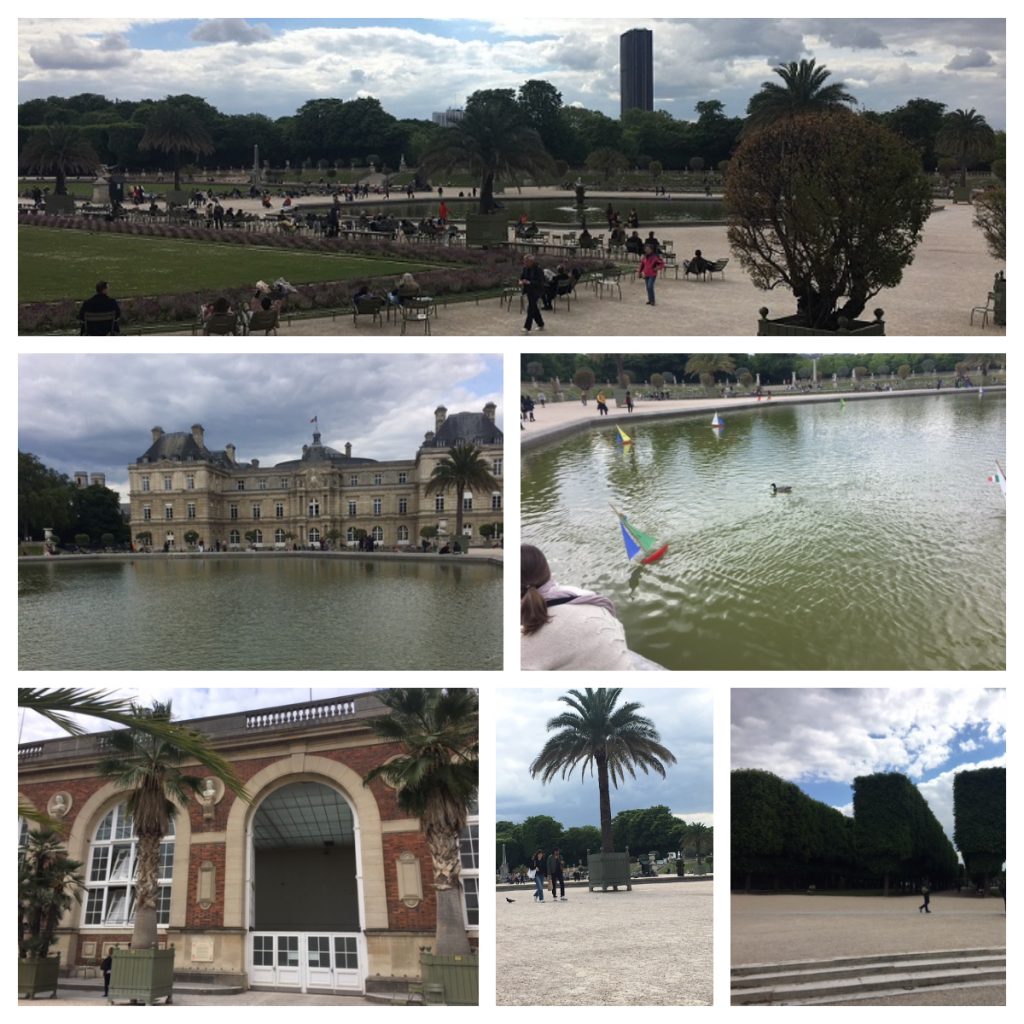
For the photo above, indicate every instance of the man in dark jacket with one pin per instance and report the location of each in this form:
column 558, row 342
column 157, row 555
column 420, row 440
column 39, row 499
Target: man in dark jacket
column 556, row 867
column 106, row 964
column 532, row 281
column 101, row 303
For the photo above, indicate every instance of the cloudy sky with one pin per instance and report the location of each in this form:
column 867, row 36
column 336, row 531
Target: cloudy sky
column 414, row 67
column 187, row 703
column 822, row 739
column 682, row 717
column 94, row 412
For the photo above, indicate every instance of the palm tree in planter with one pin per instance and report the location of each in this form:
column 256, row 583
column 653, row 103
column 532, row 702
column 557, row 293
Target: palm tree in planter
column 600, row 735
column 463, row 469
column 151, row 767
column 436, row 777
column 48, row 883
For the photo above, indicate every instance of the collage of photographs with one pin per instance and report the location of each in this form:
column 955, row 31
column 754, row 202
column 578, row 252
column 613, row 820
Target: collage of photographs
column 354, row 790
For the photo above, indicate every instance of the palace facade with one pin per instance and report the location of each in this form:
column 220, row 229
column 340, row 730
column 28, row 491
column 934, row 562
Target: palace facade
column 179, row 487
column 318, row 882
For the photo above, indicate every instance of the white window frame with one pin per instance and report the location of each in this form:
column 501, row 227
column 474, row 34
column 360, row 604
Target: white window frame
column 469, row 853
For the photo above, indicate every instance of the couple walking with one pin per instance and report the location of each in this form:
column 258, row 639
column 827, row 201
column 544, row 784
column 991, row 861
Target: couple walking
column 552, row 867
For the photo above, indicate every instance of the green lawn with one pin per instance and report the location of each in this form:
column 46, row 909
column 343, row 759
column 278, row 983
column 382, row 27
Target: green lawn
column 64, row 264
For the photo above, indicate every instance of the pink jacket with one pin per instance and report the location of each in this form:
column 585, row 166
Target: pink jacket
column 650, row 265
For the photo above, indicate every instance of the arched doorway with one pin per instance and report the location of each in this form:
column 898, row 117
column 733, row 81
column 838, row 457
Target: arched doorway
column 305, row 891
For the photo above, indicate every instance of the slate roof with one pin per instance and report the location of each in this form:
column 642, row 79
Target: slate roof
column 466, row 428
column 317, row 452
column 181, row 446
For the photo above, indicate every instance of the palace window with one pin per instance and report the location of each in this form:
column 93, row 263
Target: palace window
column 233, row 511
column 403, row 506
column 256, row 511
column 279, row 510
column 378, row 506
column 314, row 509
column 378, row 479
column 496, row 467
column 145, row 483
column 350, row 534
column 352, row 508
column 257, row 536
column 147, row 513
column 403, row 477
column 469, row 853
column 234, row 537
column 438, row 502
column 190, row 481
column 279, row 536
column 403, row 533
column 496, row 501
column 168, row 483
column 284, row 482
column 240, row 485
column 353, row 480
column 314, row 536
column 113, row 867
column 467, row 502
column 378, row 535
column 262, row 484
column 168, row 511
column 190, row 510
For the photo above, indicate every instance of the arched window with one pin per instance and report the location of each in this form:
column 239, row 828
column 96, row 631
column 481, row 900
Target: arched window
column 279, row 536
column 234, row 537
column 350, row 534
column 110, row 883
column 22, row 834
column 314, row 536
column 257, row 536
column 403, row 533
column 378, row 534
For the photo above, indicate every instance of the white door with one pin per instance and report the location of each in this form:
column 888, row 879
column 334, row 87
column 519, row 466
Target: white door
column 288, row 965
column 327, row 961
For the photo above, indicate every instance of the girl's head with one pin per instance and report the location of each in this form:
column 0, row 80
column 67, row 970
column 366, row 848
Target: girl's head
column 534, row 572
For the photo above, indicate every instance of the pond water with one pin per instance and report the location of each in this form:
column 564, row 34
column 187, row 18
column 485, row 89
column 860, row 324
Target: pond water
column 558, row 211
column 890, row 552
column 228, row 612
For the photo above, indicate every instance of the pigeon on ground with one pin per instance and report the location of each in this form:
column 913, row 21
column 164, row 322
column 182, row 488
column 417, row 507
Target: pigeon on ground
column 507, row 900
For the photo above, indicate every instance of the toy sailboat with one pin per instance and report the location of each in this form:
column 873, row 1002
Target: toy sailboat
column 717, row 421
column 623, row 438
column 998, row 477
column 639, row 543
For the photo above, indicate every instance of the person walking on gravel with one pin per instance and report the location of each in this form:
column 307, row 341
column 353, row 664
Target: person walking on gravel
column 926, row 893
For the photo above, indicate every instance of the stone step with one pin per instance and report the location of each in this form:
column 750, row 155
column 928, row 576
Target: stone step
column 739, row 970
column 190, row 988
column 831, row 971
column 835, row 989
column 884, row 993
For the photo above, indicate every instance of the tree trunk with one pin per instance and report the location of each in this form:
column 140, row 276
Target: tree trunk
column 144, row 934
column 443, row 843
column 607, row 843
column 487, row 192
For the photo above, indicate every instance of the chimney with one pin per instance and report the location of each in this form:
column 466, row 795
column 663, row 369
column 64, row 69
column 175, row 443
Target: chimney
column 428, row 437
column 229, row 450
column 197, row 434
column 348, row 450
column 489, row 409
column 99, row 480
column 440, row 415
column 158, row 432
column 81, row 479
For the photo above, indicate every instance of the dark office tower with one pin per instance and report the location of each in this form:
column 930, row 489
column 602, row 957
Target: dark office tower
column 636, row 69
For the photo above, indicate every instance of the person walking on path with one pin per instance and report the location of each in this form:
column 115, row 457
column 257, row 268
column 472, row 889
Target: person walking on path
column 926, row 893
column 651, row 265
column 106, row 965
column 540, row 870
column 629, row 402
column 556, row 868
column 532, row 281
column 602, row 404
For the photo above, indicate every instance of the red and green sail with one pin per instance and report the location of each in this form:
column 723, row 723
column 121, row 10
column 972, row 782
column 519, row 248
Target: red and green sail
column 639, row 543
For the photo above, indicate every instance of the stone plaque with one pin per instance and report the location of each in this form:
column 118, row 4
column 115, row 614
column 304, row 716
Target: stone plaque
column 410, row 881
column 202, row 951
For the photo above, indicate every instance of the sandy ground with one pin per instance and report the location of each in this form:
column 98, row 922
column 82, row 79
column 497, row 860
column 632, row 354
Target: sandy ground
column 774, row 929
column 651, row 946
column 951, row 273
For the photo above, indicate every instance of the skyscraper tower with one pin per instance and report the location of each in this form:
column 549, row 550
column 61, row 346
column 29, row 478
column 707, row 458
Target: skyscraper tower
column 636, row 69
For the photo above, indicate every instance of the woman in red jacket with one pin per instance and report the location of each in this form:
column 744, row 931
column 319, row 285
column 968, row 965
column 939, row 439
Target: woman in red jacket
column 650, row 265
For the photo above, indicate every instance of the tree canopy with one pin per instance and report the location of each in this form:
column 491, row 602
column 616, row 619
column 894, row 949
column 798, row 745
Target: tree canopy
column 979, row 813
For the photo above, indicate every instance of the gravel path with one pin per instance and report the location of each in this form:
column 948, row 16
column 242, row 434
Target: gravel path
column 648, row 947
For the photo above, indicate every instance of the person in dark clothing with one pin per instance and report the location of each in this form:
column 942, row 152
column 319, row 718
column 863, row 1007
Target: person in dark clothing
column 100, row 303
column 106, row 965
column 540, row 869
column 555, row 280
column 532, row 281
column 926, row 893
column 556, row 868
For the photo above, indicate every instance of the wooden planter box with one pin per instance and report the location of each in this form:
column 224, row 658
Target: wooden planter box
column 141, row 975
column 789, row 326
column 37, row 975
column 458, row 977
column 608, row 870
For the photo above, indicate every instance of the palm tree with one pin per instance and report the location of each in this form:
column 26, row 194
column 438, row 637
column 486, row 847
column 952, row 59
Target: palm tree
column 706, row 366
column 699, row 835
column 804, row 91
column 596, row 733
column 48, row 883
column 966, row 136
column 60, row 149
column 151, row 768
column 492, row 140
column 436, row 776
column 175, row 129
column 462, row 469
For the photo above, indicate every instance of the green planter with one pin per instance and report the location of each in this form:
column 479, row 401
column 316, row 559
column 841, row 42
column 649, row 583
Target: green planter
column 458, row 977
column 60, row 205
column 141, row 975
column 38, row 975
column 790, row 326
column 608, row 870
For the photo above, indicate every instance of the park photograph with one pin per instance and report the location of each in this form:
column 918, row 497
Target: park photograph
column 200, row 511
column 868, row 846
column 763, row 511
column 491, row 176
column 604, row 847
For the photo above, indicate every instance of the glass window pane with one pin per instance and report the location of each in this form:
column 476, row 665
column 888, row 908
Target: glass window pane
column 98, row 868
column 287, row 951
column 117, row 906
column 103, row 832
column 472, row 897
column 94, row 907
column 120, row 864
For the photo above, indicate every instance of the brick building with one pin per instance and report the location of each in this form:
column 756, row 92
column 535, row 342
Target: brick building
column 318, row 882
column 180, row 486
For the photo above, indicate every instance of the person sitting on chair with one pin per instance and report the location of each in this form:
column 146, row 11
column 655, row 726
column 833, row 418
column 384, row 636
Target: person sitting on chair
column 101, row 303
column 698, row 265
column 635, row 243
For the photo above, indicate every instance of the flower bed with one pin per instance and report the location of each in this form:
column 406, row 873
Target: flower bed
column 464, row 271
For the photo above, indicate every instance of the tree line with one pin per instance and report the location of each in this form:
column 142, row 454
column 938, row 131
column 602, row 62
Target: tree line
column 783, row 839
column 47, row 498
column 642, row 831
column 332, row 132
